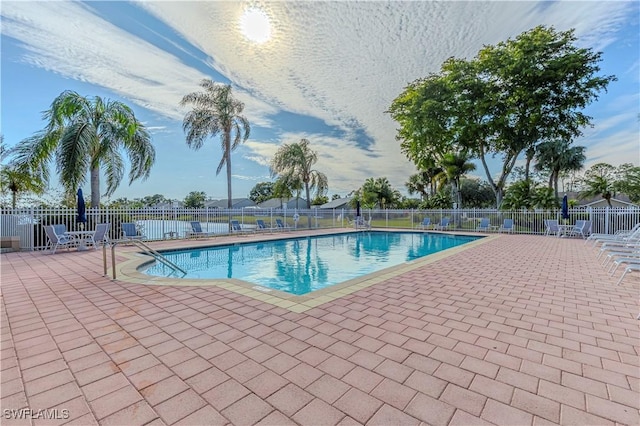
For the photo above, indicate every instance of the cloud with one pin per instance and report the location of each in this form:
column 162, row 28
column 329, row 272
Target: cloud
column 69, row 39
column 250, row 178
column 340, row 62
column 344, row 62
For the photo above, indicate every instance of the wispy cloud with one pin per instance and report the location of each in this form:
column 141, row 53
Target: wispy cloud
column 344, row 62
column 340, row 62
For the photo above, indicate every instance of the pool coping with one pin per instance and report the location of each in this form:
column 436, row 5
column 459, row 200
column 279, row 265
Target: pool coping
column 127, row 271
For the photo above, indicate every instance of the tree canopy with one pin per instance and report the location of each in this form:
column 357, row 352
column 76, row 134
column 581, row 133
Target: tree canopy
column 261, row 192
column 216, row 112
column 502, row 103
column 293, row 163
column 88, row 135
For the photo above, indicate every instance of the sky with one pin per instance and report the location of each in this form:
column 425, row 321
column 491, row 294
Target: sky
column 324, row 71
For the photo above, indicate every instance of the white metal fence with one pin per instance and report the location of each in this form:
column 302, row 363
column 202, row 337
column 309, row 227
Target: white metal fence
column 159, row 224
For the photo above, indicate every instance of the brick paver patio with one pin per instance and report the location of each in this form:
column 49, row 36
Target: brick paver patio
column 521, row 330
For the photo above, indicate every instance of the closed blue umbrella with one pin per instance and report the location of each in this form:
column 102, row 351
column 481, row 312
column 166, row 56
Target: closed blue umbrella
column 357, row 208
column 565, row 207
column 82, row 209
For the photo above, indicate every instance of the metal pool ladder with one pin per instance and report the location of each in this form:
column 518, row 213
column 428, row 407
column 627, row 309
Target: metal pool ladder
column 145, row 249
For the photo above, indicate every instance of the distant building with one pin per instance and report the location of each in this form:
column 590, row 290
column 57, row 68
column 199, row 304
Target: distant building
column 236, row 203
column 620, row 200
column 175, row 204
column 338, row 203
column 278, row 203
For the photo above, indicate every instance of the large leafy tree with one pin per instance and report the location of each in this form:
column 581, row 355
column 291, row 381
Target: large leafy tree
column 629, row 181
column 502, row 103
column 261, row 192
column 476, row 194
column 89, row 135
column 215, row 112
column 195, row 200
column 557, row 156
column 294, row 162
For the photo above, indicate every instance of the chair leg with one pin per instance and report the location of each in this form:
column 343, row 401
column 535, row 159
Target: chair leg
column 622, row 276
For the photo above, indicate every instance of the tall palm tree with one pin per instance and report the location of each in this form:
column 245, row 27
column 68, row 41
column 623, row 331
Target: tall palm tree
column 89, row 135
column 295, row 161
column 215, row 111
column 556, row 156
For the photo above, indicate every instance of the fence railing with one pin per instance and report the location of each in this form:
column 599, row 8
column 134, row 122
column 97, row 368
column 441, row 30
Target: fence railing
column 159, row 224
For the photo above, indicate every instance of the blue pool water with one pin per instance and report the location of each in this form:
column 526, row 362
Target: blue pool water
column 303, row 265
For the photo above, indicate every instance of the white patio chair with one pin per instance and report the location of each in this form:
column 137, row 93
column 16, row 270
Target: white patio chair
column 56, row 240
column 552, row 227
column 100, row 236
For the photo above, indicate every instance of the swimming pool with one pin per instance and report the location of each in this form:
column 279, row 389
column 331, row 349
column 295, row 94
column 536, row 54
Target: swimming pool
column 302, row 265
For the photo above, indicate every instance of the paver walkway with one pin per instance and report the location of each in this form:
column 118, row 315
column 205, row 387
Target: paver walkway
column 522, row 330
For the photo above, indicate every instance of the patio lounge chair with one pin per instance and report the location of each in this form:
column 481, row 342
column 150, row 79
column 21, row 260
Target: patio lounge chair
column 425, row 224
column 444, row 224
column 552, row 227
column 99, row 237
column 630, row 267
column 261, row 226
column 507, row 226
column 363, row 224
column 631, row 250
column 280, row 225
column 631, row 240
column 484, row 225
column 618, row 235
column 236, row 227
column 130, row 232
column 632, row 259
column 58, row 240
column 196, row 231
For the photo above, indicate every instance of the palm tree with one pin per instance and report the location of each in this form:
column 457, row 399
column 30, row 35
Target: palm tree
column 89, row 135
column 284, row 188
column 294, row 162
column 600, row 179
column 454, row 166
column 215, row 111
column 557, row 156
column 381, row 190
column 417, row 184
column 16, row 179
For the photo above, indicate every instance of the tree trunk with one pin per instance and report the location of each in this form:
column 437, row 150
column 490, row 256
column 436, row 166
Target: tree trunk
column 306, row 189
column 95, row 187
column 14, row 199
column 227, row 153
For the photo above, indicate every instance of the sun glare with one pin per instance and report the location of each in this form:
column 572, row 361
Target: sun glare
column 255, row 25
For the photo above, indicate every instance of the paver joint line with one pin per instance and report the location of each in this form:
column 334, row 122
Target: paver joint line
column 519, row 329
